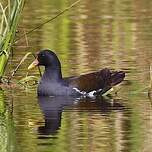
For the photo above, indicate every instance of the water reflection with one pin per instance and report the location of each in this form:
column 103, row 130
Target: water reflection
column 96, row 123
column 102, row 124
column 52, row 108
column 6, row 131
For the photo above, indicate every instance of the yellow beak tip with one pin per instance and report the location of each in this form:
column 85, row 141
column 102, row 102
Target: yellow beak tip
column 33, row 64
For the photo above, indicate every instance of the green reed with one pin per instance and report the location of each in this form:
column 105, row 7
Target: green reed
column 9, row 19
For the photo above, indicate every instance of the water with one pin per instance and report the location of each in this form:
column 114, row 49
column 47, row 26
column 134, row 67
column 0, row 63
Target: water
column 92, row 35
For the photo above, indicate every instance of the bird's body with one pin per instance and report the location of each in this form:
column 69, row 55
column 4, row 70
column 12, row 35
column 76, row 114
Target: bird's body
column 53, row 84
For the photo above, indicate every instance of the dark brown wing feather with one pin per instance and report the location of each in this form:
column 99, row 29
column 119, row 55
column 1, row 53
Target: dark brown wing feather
column 103, row 79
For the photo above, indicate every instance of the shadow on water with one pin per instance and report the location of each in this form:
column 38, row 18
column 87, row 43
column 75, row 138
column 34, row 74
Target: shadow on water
column 52, row 108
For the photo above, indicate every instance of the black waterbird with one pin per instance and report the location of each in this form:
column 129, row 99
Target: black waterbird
column 53, row 84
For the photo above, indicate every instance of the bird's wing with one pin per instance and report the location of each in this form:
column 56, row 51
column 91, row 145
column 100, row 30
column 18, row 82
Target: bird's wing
column 91, row 81
column 101, row 80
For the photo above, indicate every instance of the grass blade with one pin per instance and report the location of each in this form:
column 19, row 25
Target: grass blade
column 10, row 19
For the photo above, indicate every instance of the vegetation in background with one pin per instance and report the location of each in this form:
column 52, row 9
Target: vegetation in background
column 10, row 15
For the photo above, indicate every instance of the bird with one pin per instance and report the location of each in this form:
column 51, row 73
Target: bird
column 52, row 83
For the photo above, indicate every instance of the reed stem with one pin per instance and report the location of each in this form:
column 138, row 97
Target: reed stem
column 8, row 26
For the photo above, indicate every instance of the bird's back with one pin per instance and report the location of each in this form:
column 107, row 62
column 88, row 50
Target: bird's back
column 101, row 80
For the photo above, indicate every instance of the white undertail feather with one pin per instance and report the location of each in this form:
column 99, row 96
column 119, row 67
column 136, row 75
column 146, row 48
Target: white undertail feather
column 91, row 94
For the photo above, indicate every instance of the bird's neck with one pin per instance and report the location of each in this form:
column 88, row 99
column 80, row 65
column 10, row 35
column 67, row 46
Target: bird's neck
column 52, row 74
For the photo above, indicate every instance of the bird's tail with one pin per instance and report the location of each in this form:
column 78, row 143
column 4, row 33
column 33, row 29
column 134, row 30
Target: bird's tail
column 110, row 79
column 117, row 77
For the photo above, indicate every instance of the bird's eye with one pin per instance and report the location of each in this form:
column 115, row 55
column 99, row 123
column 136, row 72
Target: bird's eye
column 43, row 55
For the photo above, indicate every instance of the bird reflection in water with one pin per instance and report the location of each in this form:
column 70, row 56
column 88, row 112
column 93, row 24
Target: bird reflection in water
column 52, row 108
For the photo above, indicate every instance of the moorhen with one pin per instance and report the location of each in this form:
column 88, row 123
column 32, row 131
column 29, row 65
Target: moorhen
column 53, row 84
